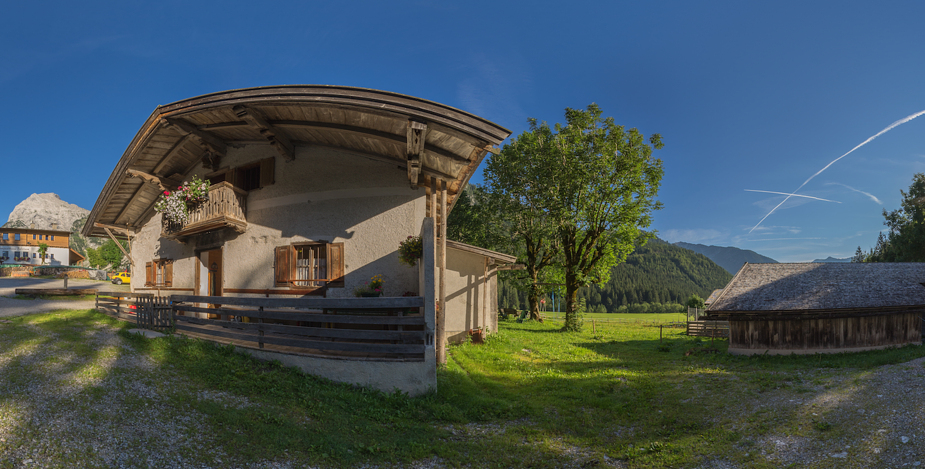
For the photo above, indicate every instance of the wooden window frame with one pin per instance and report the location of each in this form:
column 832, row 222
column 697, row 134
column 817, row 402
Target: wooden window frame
column 285, row 261
column 164, row 267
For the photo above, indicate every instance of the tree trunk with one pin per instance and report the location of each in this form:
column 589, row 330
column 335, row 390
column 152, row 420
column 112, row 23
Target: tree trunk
column 534, row 299
column 573, row 322
column 533, row 295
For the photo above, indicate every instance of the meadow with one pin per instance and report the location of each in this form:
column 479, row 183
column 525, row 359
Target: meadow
column 530, row 397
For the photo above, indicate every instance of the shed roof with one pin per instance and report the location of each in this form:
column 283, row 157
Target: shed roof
column 713, row 296
column 434, row 140
column 495, row 256
column 823, row 286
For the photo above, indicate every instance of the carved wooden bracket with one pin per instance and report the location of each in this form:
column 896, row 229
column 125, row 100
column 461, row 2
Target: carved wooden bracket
column 161, row 183
column 275, row 136
column 417, row 133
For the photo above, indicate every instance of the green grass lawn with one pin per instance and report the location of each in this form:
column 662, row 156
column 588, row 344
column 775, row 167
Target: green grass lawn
column 530, row 397
column 624, row 317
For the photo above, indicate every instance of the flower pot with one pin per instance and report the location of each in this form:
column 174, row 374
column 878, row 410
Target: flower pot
column 370, row 294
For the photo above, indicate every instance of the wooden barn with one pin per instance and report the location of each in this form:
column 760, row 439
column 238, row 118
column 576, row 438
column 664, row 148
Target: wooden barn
column 822, row 308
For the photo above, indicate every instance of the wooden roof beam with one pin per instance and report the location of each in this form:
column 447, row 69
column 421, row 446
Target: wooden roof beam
column 276, row 137
column 417, row 133
column 214, row 147
column 126, row 230
column 388, row 136
column 162, row 183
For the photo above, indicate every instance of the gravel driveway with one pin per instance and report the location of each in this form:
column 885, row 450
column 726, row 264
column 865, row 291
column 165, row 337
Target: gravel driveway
column 15, row 307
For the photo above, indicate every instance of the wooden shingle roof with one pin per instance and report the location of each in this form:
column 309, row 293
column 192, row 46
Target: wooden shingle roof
column 822, row 286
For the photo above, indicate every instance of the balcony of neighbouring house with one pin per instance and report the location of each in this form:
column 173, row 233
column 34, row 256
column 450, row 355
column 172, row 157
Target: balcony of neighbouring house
column 224, row 209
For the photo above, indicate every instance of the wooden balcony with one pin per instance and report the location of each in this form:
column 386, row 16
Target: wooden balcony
column 224, row 209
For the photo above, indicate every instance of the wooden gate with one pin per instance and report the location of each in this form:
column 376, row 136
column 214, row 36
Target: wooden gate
column 154, row 312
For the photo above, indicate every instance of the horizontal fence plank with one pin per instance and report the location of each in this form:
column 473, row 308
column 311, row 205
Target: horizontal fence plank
column 124, row 294
column 214, row 333
column 312, row 303
column 326, row 346
column 310, row 331
column 307, row 317
column 346, row 346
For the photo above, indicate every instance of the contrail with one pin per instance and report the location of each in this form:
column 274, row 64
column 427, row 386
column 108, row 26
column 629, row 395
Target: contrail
column 865, row 142
column 794, row 195
column 872, row 196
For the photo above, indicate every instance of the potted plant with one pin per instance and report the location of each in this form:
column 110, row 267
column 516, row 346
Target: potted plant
column 372, row 288
column 175, row 206
column 410, row 250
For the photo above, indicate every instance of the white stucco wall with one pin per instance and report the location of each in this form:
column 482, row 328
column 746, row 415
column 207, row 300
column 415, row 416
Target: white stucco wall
column 324, row 195
column 56, row 256
column 465, row 295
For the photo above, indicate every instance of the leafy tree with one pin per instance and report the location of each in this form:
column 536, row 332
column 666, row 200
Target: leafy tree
column 43, row 248
column 94, row 258
column 475, row 220
column 111, row 253
column 519, row 183
column 695, row 301
column 905, row 240
column 598, row 183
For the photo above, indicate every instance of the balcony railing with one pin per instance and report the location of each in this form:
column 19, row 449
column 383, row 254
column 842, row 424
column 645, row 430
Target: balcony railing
column 224, row 209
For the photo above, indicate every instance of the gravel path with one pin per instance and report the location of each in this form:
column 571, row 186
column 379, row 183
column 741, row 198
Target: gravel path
column 14, row 307
column 61, row 407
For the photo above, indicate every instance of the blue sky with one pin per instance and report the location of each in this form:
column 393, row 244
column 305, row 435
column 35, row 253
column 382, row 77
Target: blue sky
column 746, row 95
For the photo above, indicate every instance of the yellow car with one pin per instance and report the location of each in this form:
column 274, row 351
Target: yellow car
column 121, row 277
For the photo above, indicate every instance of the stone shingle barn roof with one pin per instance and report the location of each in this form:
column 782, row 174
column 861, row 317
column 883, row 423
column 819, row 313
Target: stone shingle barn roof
column 822, row 286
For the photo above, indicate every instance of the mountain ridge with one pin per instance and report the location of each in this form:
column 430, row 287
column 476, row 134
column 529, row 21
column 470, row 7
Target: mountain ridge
column 730, row 258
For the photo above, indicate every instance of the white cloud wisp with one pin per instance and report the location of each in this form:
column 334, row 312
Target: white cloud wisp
column 865, row 142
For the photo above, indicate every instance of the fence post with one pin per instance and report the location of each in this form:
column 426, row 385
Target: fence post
column 260, row 326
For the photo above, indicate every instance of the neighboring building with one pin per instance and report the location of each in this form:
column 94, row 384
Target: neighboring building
column 313, row 189
column 713, row 296
column 822, row 308
column 21, row 246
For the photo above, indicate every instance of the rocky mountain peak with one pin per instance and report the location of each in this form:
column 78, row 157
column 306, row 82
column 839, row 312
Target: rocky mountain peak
column 45, row 212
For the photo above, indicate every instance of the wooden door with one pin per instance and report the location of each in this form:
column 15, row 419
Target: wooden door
column 214, row 280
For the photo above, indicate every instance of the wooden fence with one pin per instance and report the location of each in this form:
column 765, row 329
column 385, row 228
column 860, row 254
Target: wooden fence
column 154, row 312
column 716, row 329
column 121, row 305
column 381, row 328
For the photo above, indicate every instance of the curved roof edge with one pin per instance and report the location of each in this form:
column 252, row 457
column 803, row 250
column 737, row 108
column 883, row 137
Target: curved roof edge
column 479, row 134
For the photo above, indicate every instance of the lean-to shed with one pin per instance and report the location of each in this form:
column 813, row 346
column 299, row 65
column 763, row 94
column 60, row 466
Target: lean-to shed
column 822, row 308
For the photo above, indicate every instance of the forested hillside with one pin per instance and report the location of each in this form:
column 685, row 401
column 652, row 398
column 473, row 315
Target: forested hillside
column 655, row 273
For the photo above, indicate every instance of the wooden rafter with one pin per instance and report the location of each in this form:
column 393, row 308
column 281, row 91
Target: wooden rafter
column 214, row 148
column 129, row 203
column 127, row 230
column 168, row 157
column 417, row 134
column 387, row 136
column 276, row 137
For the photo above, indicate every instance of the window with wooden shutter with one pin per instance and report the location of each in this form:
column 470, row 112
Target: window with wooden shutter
column 159, row 273
column 168, row 274
column 336, row 265
column 284, row 266
column 310, row 265
column 267, row 171
column 149, row 274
